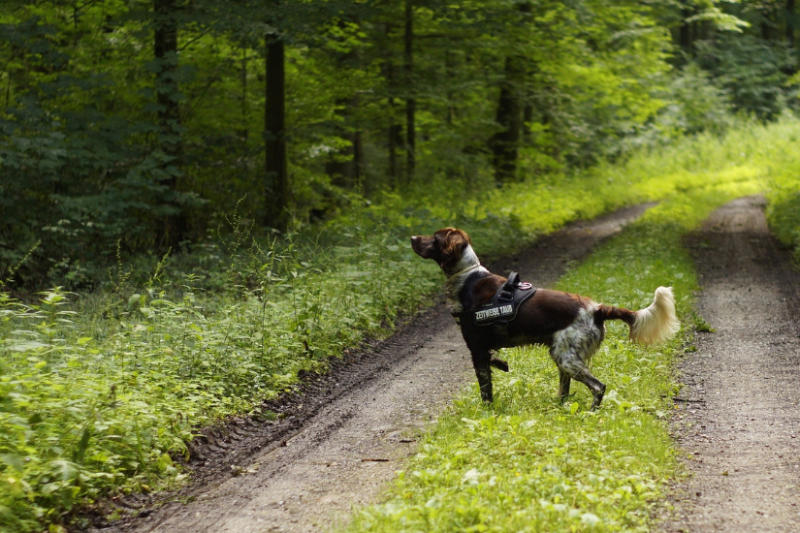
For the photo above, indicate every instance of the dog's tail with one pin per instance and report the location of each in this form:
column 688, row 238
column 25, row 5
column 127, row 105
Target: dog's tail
column 653, row 324
column 657, row 322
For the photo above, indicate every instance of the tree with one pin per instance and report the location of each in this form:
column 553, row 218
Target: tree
column 504, row 144
column 277, row 190
column 165, row 50
column 411, row 101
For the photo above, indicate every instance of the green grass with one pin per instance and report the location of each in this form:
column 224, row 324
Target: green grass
column 98, row 392
column 529, row 463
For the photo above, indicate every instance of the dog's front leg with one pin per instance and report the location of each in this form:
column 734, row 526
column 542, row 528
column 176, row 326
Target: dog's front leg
column 499, row 364
column 481, row 361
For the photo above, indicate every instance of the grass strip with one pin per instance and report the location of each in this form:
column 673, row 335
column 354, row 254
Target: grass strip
column 530, row 463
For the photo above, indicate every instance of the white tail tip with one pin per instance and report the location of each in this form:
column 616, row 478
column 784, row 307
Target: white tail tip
column 657, row 322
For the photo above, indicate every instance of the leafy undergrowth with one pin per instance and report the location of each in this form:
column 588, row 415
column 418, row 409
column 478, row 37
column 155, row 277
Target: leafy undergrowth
column 783, row 213
column 99, row 392
column 530, row 463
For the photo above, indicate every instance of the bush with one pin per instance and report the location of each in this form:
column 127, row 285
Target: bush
column 696, row 104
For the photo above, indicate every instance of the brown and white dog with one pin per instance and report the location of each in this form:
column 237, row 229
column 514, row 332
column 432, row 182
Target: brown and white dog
column 570, row 325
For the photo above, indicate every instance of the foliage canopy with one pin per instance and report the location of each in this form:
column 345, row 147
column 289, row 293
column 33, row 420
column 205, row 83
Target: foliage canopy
column 134, row 126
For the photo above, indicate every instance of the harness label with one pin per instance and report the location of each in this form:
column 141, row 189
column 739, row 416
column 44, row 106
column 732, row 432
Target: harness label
column 494, row 312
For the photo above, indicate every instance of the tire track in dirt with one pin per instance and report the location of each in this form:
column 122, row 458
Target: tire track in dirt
column 337, row 445
column 739, row 409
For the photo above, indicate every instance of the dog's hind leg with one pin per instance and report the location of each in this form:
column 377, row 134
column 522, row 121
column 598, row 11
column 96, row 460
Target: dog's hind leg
column 572, row 349
column 481, row 360
column 563, row 384
column 571, row 366
column 597, row 388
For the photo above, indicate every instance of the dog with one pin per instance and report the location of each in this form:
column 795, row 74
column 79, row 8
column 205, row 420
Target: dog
column 571, row 326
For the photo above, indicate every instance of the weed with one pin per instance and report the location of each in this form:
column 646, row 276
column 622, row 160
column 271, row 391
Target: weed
column 700, row 324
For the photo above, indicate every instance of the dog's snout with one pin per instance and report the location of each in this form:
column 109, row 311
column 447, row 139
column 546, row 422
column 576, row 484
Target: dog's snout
column 417, row 244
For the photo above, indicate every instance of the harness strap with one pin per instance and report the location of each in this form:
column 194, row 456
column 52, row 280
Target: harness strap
column 504, row 305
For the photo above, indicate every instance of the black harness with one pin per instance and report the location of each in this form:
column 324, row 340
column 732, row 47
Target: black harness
column 501, row 309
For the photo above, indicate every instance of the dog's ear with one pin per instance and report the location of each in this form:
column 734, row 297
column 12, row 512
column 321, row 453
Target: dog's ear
column 451, row 242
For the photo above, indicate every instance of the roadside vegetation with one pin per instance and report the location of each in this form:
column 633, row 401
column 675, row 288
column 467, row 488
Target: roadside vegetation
column 783, row 212
column 101, row 392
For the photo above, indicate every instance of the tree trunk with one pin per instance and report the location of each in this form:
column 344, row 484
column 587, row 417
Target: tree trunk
column 277, row 178
column 394, row 138
column 245, row 112
column 345, row 166
column 169, row 121
column 358, row 161
column 686, row 30
column 394, row 131
column 504, row 144
column 527, row 120
column 411, row 103
column 450, row 74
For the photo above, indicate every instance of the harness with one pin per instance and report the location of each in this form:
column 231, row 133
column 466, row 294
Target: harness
column 502, row 308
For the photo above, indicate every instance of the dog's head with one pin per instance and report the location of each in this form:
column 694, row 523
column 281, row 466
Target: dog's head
column 449, row 247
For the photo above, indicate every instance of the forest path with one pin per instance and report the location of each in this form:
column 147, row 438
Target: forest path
column 740, row 415
column 346, row 438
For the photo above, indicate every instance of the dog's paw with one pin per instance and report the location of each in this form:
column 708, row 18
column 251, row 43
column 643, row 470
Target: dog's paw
column 499, row 363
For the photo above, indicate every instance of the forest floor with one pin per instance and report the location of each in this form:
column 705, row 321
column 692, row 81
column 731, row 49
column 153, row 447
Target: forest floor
column 739, row 416
column 338, row 440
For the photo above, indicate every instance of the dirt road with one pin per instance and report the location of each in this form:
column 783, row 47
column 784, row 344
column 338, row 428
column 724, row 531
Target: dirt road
column 338, row 443
column 739, row 416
